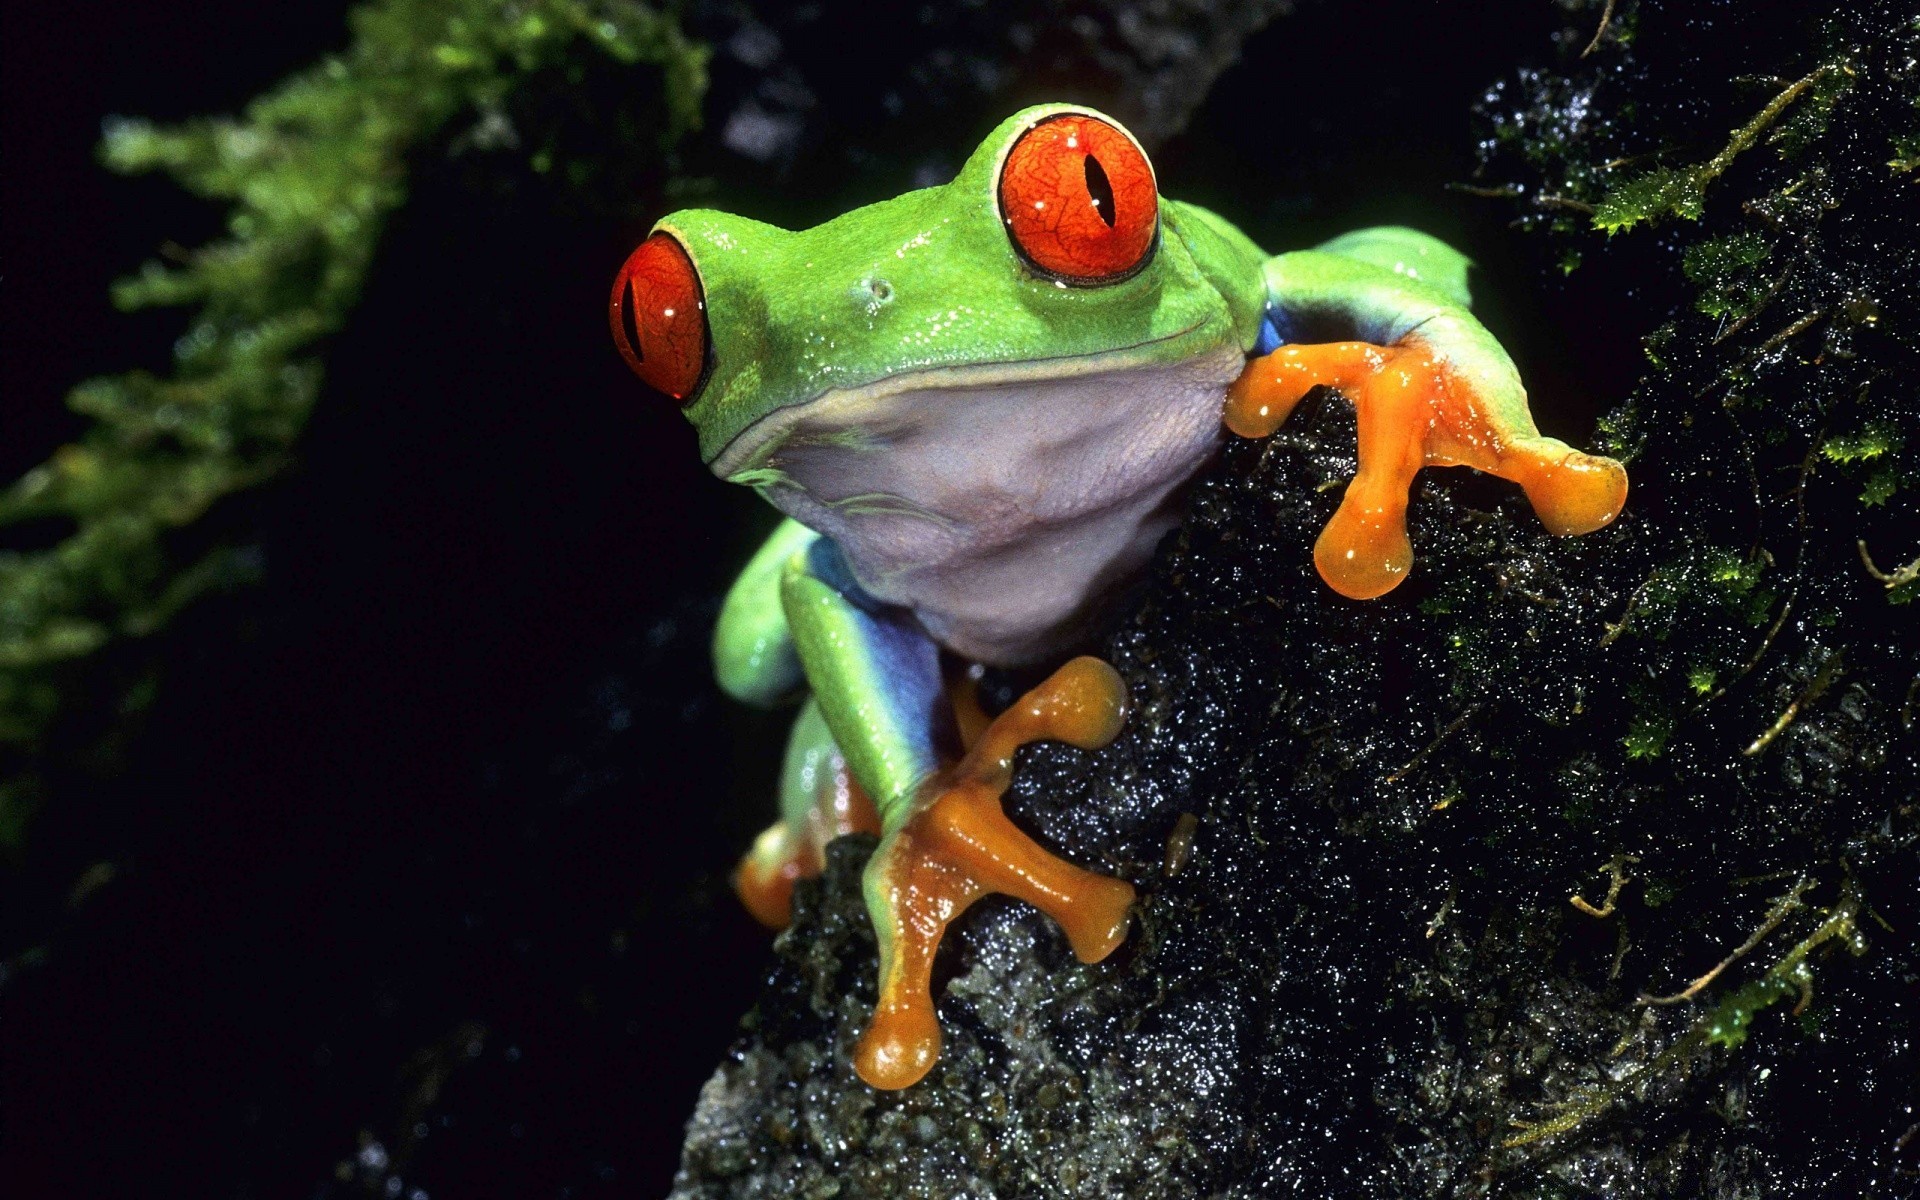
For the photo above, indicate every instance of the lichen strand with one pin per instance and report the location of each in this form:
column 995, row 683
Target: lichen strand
column 1365, row 978
column 310, row 172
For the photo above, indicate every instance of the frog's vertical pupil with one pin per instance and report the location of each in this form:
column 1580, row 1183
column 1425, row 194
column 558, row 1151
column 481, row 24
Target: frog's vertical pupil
column 1100, row 189
column 1085, row 227
column 627, row 325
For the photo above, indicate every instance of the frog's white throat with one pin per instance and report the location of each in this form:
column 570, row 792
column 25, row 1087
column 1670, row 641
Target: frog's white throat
column 1001, row 511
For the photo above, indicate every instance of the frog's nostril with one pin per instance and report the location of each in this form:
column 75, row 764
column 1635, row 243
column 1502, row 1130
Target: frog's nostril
column 658, row 317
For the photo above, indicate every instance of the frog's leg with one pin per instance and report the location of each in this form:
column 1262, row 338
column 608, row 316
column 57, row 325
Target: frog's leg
column 946, row 841
column 753, row 655
column 1430, row 387
column 819, row 801
column 755, row 662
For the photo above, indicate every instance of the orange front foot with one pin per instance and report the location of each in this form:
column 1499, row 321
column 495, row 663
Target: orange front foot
column 959, row 846
column 1414, row 410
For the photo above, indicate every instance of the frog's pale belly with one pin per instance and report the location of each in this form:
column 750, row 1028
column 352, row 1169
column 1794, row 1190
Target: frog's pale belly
column 1000, row 513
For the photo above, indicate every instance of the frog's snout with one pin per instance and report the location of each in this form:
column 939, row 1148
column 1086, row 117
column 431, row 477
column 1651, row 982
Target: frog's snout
column 658, row 316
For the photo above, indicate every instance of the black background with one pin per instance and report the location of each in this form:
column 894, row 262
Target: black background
column 452, row 779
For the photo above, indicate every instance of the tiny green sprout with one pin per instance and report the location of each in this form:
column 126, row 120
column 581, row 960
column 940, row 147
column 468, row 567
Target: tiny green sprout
column 1700, row 679
column 1881, row 485
column 1647, row 736
column 1736, row 573
column 1906, row 154
column 1656, row 892
column 1724, row 270
column 1877, row 440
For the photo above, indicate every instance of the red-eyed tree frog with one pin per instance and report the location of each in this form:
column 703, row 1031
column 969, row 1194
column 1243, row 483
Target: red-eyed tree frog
column 977, row 405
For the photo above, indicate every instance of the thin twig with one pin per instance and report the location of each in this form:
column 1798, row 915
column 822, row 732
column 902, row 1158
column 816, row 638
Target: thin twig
column 1505, row 191
column 1792, row 331
column 1758, row 308
column 1894, row 579
column 1452, row 728
column 1814, row 691
column 1619, row 627
column 1580, row 1109
column 1616, row 869
column 1606, row 19
column 1799, row 564
column 1782, row 909
column 1563, row 203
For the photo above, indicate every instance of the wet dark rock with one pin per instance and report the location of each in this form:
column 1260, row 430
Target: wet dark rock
column 1363, row 972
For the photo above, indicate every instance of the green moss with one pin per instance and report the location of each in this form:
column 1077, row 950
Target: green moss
column 1906, row 153
column 1682, row 191
column 1870, row 454
column 1726, row 271
column 1877, row 440
column 311, row 172
column 1881, row 485
column 1727, row 1023
column 1661, row 192
column 1647, row 737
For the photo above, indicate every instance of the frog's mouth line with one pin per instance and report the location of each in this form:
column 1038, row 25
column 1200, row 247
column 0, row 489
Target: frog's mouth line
column 745, row 451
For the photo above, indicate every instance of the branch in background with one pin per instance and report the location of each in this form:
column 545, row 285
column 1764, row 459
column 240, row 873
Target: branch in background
column 312, row 170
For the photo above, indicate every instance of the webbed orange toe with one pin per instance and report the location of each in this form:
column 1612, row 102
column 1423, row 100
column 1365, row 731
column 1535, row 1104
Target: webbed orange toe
column 1574, row 493
column 958, row 846
column 792, row 849
column 1413, row 409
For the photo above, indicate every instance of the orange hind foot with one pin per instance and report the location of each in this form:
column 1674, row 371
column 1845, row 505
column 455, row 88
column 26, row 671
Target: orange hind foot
column 958, row 846
column 1414, row 411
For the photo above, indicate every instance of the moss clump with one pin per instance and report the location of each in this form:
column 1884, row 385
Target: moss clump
column 311, row 171
column 1682, row 191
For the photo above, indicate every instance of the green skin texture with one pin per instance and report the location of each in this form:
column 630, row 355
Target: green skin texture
column 795, row 316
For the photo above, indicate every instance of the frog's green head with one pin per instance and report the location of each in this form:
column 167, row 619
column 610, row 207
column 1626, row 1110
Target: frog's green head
column 1050, row 255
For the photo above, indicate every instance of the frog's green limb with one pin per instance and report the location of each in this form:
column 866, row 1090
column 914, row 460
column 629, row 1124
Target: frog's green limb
column 753, row 654
column 1430, row 387
column 1409, row 253
column 819, row 801
column 876, row 676
column 946, row 841
column 1323, row 296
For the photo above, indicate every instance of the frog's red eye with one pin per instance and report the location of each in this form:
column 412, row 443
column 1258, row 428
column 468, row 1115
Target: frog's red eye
column 659, row 317
column 1079, row 200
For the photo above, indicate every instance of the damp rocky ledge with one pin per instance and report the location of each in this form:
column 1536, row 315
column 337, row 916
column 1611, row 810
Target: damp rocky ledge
column 1572, row 868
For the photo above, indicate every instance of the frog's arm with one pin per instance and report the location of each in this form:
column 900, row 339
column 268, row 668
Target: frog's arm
column 1418, row 256
column 876, row 678
column 1382, row 316
column 753, row 655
